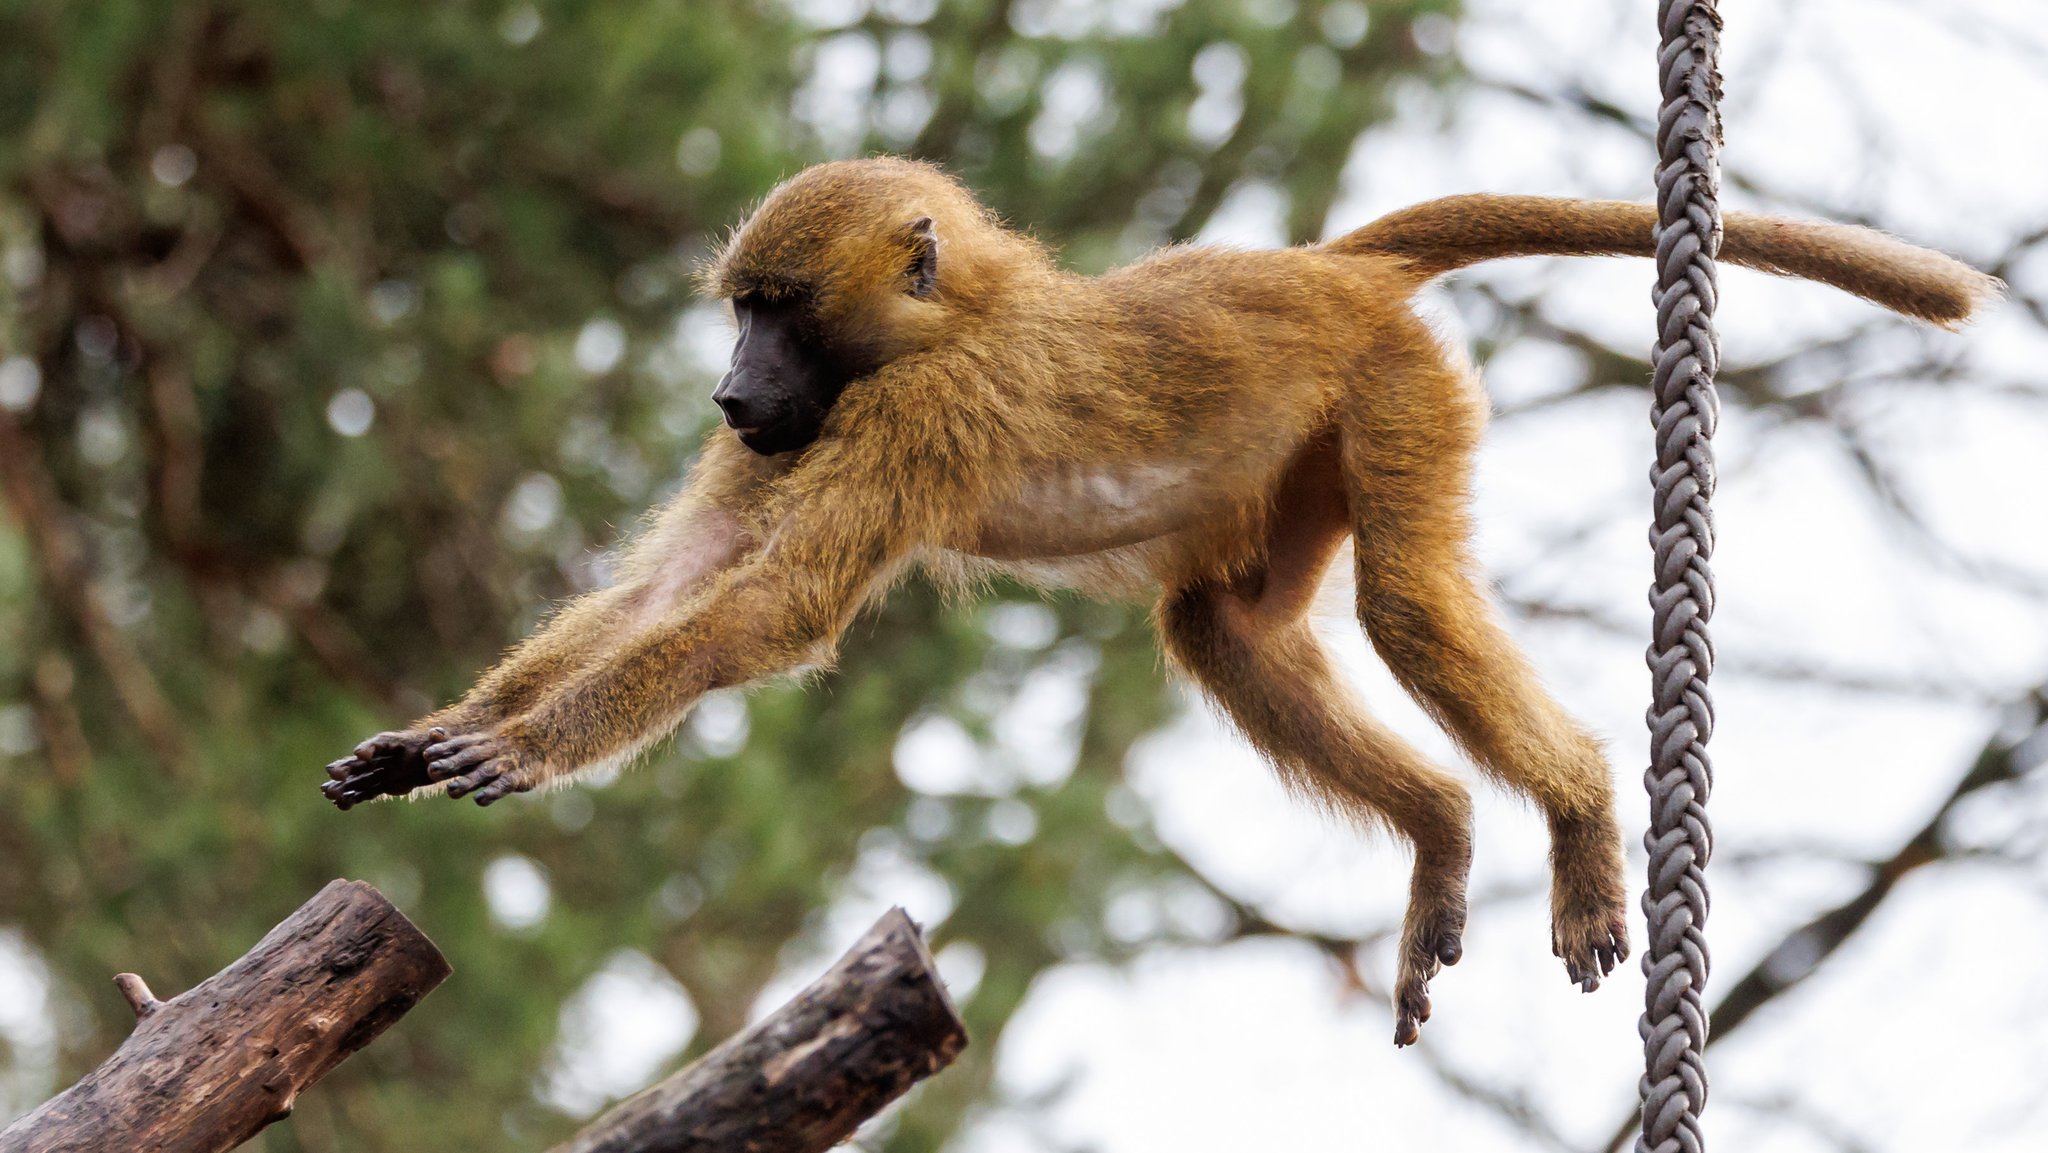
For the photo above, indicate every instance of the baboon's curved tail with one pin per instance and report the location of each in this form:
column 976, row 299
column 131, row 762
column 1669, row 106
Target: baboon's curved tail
column 1437, row 236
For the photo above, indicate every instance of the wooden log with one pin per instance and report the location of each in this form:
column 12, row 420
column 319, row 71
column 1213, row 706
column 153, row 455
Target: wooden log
column 204, row 1071
column 801, row 1081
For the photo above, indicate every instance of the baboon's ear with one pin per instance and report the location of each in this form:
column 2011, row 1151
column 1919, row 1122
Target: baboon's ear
column 924, row 257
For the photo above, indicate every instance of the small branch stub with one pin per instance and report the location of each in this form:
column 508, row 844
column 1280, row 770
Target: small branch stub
column 803, row 1080
column 137, row 992
column 205, row 1070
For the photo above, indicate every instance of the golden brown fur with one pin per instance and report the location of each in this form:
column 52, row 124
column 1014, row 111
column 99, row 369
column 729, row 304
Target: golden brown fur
column 1211, row 424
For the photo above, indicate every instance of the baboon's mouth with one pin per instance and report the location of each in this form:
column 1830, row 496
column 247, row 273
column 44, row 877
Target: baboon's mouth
column 772, row 437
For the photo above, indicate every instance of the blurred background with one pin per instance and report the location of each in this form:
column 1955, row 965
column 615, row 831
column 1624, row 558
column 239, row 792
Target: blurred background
column 338, row 338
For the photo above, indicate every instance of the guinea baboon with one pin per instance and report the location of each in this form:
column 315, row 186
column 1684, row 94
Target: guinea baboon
column 915, row 384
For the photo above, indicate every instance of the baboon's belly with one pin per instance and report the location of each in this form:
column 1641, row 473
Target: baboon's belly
column 1070, row 510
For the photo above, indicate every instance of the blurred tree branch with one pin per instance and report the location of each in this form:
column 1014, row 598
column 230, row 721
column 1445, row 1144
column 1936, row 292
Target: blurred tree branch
column 68, row 580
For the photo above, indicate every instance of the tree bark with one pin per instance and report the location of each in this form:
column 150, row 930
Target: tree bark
column 206, row 1070
column 801, row 1081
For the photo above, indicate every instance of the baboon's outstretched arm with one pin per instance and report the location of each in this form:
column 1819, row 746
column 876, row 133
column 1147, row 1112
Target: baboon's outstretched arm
column 765, row 616
column 779, row 609
column 617, row 669
column 695, row 537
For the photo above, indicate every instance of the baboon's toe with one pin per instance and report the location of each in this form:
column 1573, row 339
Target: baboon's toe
column 1591, row 943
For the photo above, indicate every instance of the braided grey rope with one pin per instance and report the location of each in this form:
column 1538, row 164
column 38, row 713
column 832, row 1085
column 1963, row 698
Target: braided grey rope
column 1684, row 409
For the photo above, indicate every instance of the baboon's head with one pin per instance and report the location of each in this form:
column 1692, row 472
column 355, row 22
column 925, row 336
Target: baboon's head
column 845, row 267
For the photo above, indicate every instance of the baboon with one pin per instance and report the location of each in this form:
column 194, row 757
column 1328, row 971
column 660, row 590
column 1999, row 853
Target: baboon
column 916, row 385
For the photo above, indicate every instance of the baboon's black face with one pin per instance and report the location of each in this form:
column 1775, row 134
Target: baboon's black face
column 782, row 381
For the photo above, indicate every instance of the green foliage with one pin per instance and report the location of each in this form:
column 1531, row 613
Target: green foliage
column 343, row 336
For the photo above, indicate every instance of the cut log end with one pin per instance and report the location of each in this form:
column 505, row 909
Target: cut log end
column 804, row 1079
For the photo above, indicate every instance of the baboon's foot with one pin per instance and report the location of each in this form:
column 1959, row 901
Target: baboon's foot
column 1588, row 901
column 1432, row 936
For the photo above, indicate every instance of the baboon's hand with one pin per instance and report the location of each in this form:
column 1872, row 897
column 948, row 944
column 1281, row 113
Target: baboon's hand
column 488, row 765
column 386, row 765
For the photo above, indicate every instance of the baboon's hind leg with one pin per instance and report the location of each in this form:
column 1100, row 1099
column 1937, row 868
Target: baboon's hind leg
column 1408, row 454
column 1249, row 646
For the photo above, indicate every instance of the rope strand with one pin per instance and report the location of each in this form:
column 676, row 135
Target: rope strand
column 1684, row 410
